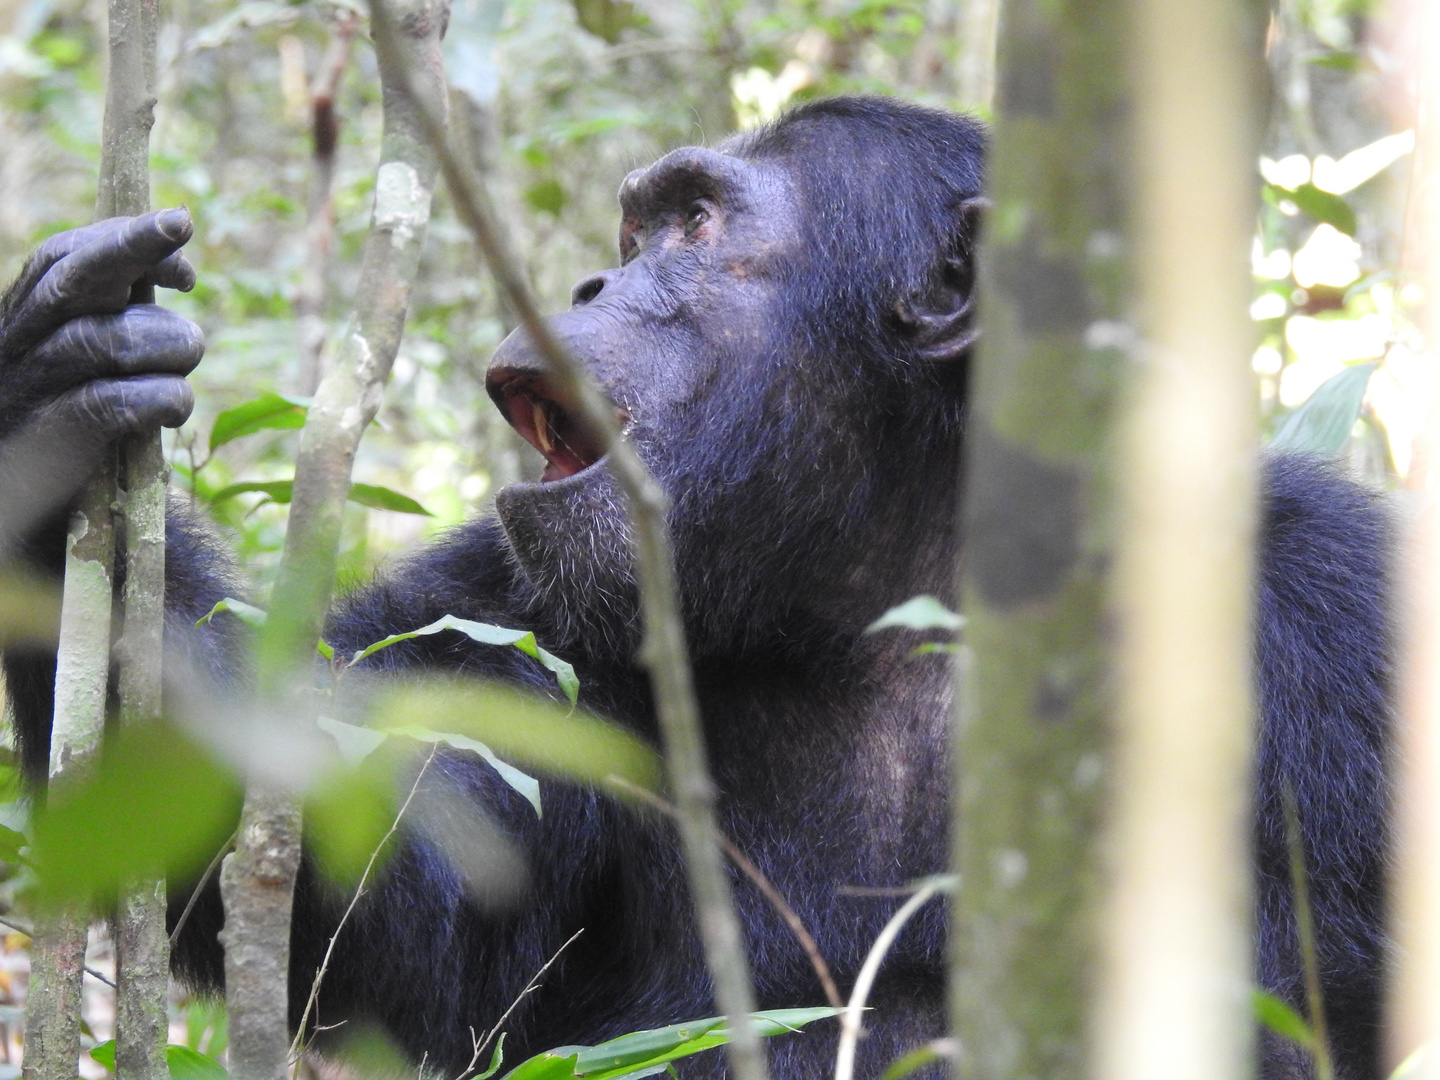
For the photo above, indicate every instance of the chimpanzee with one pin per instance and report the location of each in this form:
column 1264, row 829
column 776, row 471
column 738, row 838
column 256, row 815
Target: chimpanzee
column 787, row 338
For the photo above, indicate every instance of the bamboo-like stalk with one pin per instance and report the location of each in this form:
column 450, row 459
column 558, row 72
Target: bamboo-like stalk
column 1178, row 967
column 663, row 651
column 1413, row 1018
column 142, row 947
column 979, row 26
column 257, row 881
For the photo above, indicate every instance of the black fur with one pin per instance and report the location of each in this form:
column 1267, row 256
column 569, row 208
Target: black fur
column 785, row 391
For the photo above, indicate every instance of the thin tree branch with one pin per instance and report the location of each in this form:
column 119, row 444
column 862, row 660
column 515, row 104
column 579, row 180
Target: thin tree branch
column 663, row 651
column 767, row 889
column 481, row 1044
column 850, row 1019
column 297, row 1047
column 225, row 849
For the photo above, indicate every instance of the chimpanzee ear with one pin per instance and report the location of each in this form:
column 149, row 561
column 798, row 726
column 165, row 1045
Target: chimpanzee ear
column 940, row 321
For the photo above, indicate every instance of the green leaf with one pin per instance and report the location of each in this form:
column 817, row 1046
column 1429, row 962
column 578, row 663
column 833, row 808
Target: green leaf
column 607, row 18
column 488, row 634
column 249, row 614
column 547, row 195
column 356, row 743
column 547, row 1066
column 266, row 412
column 524, row 729
column 187, row 1064
column 1322, row 423
column 325, row 649
column 918, row 613
column 155, row 803
column 1281, row 1018
column 917, row 1059
column 382, row 498
column 647, row 1053
column 10, row 844
column 184, row 1063
column 347, row 815
column 1323, row 206
column 282, row 491
column 495, row 1059
column 278, row 491
column 525, row 784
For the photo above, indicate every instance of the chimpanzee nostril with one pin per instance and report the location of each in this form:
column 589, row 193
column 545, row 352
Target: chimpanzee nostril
column 587, row 290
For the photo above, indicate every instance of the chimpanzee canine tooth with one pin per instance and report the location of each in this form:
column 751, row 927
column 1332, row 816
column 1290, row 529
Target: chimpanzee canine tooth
column 542, row 427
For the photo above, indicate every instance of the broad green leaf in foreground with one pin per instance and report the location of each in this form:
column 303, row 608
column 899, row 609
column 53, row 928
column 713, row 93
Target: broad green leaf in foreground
column 184, row 1063
column 249, row 614
column 646, row 1053
column 488, row 634
column 266, row 412
column 1322, row 423
column 155, row 803
column 918, row 613
column 524, row 729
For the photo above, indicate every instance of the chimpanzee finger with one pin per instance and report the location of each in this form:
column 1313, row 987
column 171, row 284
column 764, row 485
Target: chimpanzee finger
column 44, row 463
column 96, row 277
column 106, row 409
column 172, row 272
column 142, row 339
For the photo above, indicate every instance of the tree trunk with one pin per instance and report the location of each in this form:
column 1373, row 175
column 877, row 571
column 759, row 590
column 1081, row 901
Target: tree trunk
column 1033, row 708
column 257, row 881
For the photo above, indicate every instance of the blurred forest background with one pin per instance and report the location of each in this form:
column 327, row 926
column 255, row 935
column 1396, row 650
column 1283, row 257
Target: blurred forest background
column 268, row 127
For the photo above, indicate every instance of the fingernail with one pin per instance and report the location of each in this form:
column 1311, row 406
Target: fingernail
column 175, row 224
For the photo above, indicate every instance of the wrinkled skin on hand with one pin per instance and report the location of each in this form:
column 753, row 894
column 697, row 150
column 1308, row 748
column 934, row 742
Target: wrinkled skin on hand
column 80, row 366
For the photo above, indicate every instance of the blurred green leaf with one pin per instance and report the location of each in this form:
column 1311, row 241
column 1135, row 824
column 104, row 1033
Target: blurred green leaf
column 524, row 729
column 488, row 634
column 347, row 814
column 266, row 412
column 278, row 491
column 10, row 844
column 1322, row 206
column 607, row 18
column 356, row 743
column 1322, row 423
column 918, row 613
column 249, row 614
column 1281, row 1018
column 382, row 498
column 547, row 195
column 495, row 1059
column 155, row 803
column 916, row 1059
column 184, row 1063
column 281, row 491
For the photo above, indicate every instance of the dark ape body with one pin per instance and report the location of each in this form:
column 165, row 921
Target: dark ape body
column 786, row 339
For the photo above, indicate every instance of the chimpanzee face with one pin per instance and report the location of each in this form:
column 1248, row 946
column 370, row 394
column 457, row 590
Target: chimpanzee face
column 683, row 337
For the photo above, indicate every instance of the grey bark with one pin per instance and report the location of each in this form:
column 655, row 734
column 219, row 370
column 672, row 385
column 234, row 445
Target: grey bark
column 258, row 879
column 663, row 650
column 142, row 951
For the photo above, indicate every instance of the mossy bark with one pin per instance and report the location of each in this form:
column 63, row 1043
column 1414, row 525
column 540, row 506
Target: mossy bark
column 1032, row 731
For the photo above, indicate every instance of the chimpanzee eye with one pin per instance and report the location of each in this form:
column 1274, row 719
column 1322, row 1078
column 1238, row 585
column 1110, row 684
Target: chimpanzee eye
column 697, row 216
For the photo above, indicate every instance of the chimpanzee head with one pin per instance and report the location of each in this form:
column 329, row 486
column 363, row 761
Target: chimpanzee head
column 786, row 340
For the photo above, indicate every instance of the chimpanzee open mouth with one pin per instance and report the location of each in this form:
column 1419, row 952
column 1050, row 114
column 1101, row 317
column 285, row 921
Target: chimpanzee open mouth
column 533, row 407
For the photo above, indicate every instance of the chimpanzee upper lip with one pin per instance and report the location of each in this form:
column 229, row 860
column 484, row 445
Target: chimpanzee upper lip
column 546, row 420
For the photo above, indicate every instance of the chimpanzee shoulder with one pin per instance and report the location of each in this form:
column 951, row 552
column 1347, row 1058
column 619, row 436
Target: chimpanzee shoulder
column 1324, row 678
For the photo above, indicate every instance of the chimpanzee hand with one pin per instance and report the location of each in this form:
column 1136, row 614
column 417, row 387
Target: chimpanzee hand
column 78, row 367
